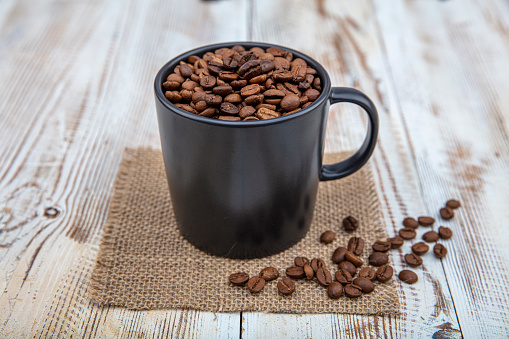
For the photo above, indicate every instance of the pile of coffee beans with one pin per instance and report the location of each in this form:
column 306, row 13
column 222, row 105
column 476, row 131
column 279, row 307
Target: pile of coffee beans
column 236, row 84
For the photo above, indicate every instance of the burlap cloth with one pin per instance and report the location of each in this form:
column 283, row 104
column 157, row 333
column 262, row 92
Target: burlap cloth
column 144, row 262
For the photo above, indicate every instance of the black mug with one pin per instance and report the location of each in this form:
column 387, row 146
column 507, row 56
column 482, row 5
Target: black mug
column 248, row 189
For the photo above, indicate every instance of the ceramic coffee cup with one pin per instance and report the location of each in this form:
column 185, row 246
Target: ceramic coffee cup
column 248, row 189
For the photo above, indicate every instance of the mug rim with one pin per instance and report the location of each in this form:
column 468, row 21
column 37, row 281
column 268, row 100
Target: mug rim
column 170, row 65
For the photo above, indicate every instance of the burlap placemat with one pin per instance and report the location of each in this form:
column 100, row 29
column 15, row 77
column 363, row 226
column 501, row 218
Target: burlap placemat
column 144, row 262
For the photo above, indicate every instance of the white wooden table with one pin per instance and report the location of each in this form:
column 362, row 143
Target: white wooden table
column 77, row 80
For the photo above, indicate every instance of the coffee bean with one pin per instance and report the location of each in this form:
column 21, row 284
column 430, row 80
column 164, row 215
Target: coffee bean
column 440, row 251
column 348, row 266
column 323, row 276
column 343, row 276
column 228, row 76
column 381, row 246
column 335, row 290
column 327, row 237
column 265, row 113
column 353, row 291
column 384, row 273
column 290, row 102
column 396, row 241
column 249, row 66
column 378, row 259
column 222, row 90
column 186, row 71
column 430, row 236
column 208, row 82
column 267, row 66
column 356, row 245
column 410, row 222
column 407, row 233
column 413, row 260
column 453, row 204
column 420, row 248
column 173, row 96
column 366, row 285
column 298, row 68
column 408, row 277
column 350, row 223
column 353, row 259
column 301, row 261
column 317, row 263
column 444, row 232
column 295, row 272
column 282, row 75
column 250, row 118
column 213, row 100
column 254, row 100
column 339, row 255
column 255, row 284
column 234, row 98
column 308, row 271
column 228, row 108
column 228, row 118
column 446, row 213
column 312, row 94
column 246, row 111
column 426, row 221
column 269, row 273
column 239, row 279
column 209, row 112
column 368, row 273
column 187, row 108
column 250, row 90
column 171, row 85
column 286, row 286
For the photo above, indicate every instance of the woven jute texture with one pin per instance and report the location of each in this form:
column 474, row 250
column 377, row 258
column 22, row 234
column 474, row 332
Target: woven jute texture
column 144, row 262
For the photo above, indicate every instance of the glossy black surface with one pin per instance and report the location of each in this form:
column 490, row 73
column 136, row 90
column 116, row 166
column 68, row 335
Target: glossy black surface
column 248, row 189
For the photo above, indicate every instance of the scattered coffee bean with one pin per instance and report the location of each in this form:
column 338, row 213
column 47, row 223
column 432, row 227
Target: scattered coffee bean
column 353, row 291
column 295, row 272
column 335, row 290
column 350, row 223
column 323, row 276
column 430, row 236
column 343, row 276
column 440, row 251
column 378, row 259
column 286, row 286
column 366, row 285
column 407, row 233
column 396, row 241
column 353, row 259
column 327, row 237
column 381, row 246
column 446, row 213
column 239, row 279
column 356, row 245
column 410, row 222
column 339, row 255
column 426, row 221
column 308, row 271
column 413, row 260
column 453, row 204
column 348, row 266
column 444, row 232
column 255, row 284
column 420, row 248
column 384, row 273
column 269, row 273
column 408, row 277
column 367, row 272
column 301, row 261
column 317, row 263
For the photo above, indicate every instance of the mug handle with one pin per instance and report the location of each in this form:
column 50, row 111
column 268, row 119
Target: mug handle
column 355, row 162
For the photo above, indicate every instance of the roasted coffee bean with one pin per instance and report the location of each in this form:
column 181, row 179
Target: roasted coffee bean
column 222, row 90
column 228, row 76
column 239, row 279
column 281, row 64
column 208, row 82
column 396, row 241
column 408, row 277
column 200, row 106
column 298, row 67
column 230, row 64
column 282, row 76
column 384, row 273
column 440, row 251
column 175, row 77
column 327, row 237
column 407, row 233
column 381, row 246
column 229, row 118
column 198, row 96
column 255, row 284
column 273, row 94
column 185, row 70
column 301, row 261
column 430, row 236
column 446, row 213
column 233, row 98
column 286, row 286
column 173, row 96
column 444, row 232
column 350, row 223
column 453, row 204
column 317, row 84
column 228, row 108
column 413, row 260
column 213, row 100
column 209, row 112
column 289, row 102
column 265, row 113
column 323, row 276
column 258, row 79
column 253, row 100
column 368, row 273
column 339, row 255
column 335, row 290
column 348, row 266
column 250, row 69
column 303, row 100
column 420, row 248
column 378, row 259
column 353, row 291
column 238, row 83
column 248, row 56
column 343, row 276
column 366, row 285
column 187, row 95
column 187, row 108
column 257, row 51
column 250, row 118
column 317, row 263
column 250, row 90
column 356, row 245
column 246, row 111
column 308, row 271
column 312, row 94
column 295, row 272
column 267, row 106
column 410, row 222
column 266, row 65
column 353, row 259
column 171, row 85
column 269, row 273
column 426, row 221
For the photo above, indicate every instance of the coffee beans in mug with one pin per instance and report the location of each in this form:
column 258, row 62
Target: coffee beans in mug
column 353, row 259
column 378, row 259
column 343, row 276
column 410, row 222
column 301, row 261
column 339, row 255
column 408, row 277
column 453, row 204
column 327, row 237
column 440, row 251
column 367, row 272
column 396, row 241
column 384, row 273
column 444, row 232
column 335, row 290
column 323, row 276
column 353, row 291
column 381, row 246
column 286, row 286
column 295, row 272
column 366, row 285
column 350, row 223
column 348, row 266
column 255, row 284
column 446, row 213
column 426, row 221
column 420, row 248
column 356, row 245
column 413, row 260
column 239, row 279
column 269, row 273
column 430, row 236
column 407, row 233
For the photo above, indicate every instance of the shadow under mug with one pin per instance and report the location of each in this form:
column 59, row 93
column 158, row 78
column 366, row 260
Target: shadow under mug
column 248, row 189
